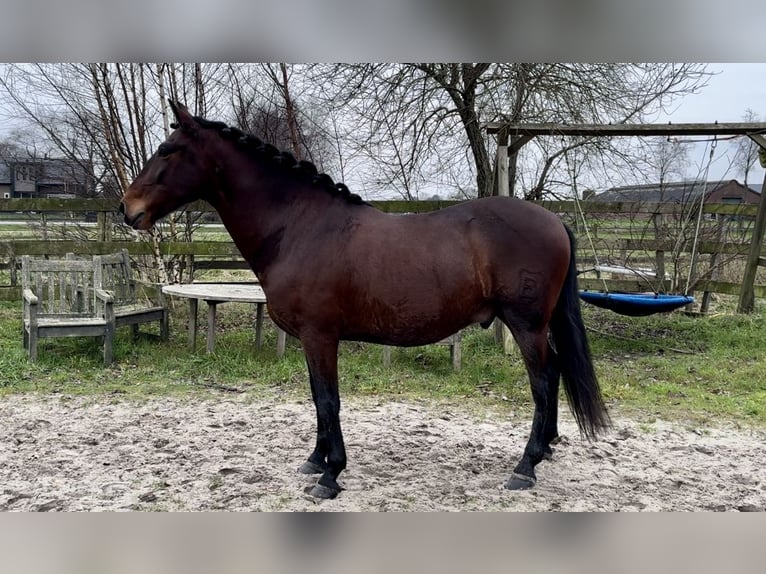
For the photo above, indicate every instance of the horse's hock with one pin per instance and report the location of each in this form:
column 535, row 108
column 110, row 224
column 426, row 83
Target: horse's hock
column 452, row 342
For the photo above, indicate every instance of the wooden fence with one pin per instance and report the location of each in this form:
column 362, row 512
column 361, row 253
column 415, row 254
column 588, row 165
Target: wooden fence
column 647, row 235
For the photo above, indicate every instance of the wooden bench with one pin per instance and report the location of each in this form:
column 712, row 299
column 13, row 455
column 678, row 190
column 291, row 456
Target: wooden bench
column 135, row 301
column 61, row 299
column 453, row 342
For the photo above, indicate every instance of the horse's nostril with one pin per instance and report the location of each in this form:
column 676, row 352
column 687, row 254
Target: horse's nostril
column 122, row 207
column 134, row 221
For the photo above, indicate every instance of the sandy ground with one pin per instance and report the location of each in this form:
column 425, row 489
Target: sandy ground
column 76, row 454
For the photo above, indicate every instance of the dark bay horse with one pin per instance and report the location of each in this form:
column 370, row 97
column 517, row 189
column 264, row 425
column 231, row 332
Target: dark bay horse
column 335, row 268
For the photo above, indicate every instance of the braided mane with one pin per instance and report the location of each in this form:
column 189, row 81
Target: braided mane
column 304, row 170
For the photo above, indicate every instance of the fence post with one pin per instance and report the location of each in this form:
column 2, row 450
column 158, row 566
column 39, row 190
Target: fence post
column 747, row 294
column 715, row 272
column 104, row 229
column 12, row 270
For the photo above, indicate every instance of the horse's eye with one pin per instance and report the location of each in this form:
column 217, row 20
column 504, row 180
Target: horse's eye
column 165, row 150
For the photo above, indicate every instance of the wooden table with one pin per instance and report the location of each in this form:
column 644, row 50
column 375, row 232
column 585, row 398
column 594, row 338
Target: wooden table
column 215, row 293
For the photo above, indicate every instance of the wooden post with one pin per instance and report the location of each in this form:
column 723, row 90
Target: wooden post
column 281, row 342
column 192, row 323
column 259, row 325
column 747, row 294
column 211, row 315
column 101, row 225
column 501, row 164
column 502, row 333
column 714, row 269
column 44, row 225
column 386, row 356
column 13, row 271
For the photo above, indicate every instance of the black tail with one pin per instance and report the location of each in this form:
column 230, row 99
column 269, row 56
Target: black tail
column 574, row 359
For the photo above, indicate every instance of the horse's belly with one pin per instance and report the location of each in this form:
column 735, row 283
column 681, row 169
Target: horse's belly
column 412, row 327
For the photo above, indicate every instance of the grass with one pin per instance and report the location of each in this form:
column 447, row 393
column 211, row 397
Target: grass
column 673, row 366
column 704, row 370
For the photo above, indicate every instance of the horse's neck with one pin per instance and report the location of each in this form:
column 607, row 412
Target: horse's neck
column 247, row 220
column 259, row 221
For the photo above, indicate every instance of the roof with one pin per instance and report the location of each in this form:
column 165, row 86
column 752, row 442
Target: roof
column 54, row 170
column 654, row 192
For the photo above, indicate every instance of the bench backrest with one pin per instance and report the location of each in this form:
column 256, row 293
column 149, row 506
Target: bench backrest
column 64, row 287
column 114, row 274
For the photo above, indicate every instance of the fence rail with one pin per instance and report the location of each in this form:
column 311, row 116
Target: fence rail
column 205, row 254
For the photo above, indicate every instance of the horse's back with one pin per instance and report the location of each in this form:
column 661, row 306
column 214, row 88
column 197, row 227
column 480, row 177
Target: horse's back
column 512, row 234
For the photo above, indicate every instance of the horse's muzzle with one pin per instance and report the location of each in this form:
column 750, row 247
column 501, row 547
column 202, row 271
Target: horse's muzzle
column 135, row 221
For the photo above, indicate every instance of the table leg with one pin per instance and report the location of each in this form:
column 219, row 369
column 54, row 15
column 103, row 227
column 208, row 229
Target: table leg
column 281, row 342
column 192, row 323
column 258, row 325
column 211, row 309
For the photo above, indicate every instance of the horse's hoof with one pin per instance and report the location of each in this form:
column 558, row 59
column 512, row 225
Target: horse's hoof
column 548, row 454
column 323, row 492
column 309, row 467
column 520, row 482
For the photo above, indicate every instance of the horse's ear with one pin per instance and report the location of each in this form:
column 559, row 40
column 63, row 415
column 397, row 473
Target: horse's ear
column 183, row 118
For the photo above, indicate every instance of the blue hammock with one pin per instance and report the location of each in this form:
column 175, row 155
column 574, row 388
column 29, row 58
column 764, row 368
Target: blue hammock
column 636, row 304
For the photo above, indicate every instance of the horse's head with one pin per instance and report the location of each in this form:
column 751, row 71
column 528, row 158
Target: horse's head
column 175, row 175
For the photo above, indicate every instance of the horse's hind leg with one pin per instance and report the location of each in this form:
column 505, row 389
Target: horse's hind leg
column 543, row 380
column 551, row 429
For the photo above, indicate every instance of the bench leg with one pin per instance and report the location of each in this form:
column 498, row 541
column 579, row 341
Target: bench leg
column 32, row 345
column 134, row 332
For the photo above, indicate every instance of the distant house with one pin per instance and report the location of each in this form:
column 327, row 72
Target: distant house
column 725, row 191
column 44, row 178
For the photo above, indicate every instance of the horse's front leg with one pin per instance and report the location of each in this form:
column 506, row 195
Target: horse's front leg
column 329, row 456
column 317, row 461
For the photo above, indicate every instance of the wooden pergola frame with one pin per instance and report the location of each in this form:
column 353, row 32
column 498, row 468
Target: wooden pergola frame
column 512, row 137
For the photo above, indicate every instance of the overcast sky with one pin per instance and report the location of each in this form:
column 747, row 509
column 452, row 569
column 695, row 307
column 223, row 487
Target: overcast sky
column 734, row 89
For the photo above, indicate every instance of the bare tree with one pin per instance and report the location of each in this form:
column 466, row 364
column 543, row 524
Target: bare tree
column 267, row 101
column 440, row 110
column 745, row 149
column 112, row 116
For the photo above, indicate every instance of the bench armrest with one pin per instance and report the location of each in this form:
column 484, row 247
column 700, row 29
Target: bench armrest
column 106, row 300
column 29, row 297
column 104, row 296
